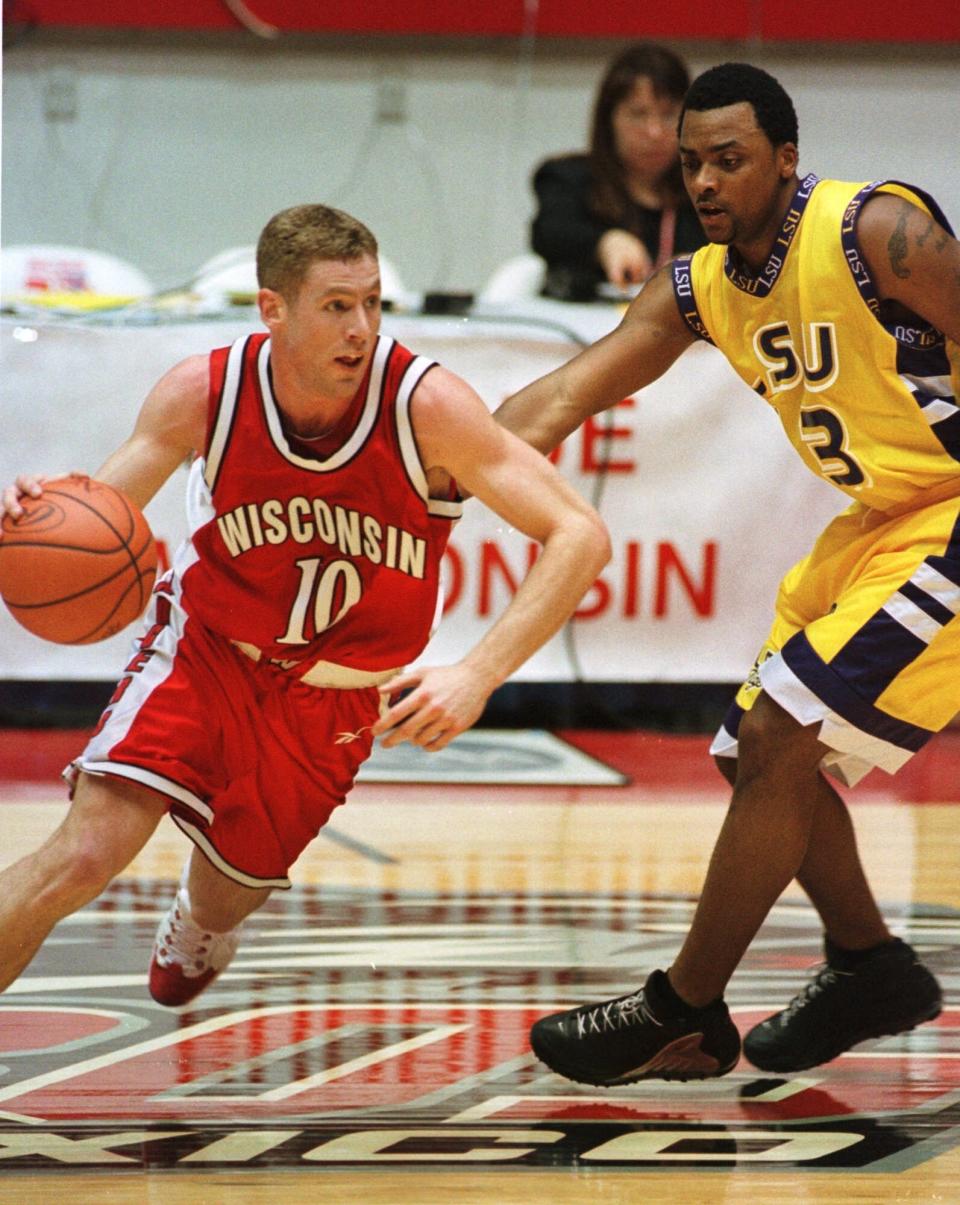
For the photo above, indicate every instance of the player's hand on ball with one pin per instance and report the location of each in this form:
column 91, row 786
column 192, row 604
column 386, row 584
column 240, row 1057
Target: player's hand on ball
column 77, row 558
column 26, row 485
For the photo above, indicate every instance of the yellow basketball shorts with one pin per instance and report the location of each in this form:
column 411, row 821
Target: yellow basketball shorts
column 866, row 640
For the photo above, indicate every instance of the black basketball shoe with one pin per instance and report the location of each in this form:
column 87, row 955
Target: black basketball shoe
column 848, row 1000
column 641, row 1036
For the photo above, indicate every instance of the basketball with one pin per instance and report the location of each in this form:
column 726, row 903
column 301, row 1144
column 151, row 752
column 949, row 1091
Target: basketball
column 79, row 563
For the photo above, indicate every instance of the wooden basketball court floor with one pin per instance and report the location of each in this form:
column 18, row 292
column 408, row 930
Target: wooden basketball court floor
column 369, row 1041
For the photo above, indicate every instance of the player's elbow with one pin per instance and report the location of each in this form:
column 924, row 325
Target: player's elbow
column 604, row 543
column 594, row 541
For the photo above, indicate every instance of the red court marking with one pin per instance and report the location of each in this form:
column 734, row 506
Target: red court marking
column 665, row 761
column 654, row 761
column 42, row 1029
column 657, row 764
column 131, row 1083
column 29, row 755
column 136, row 1082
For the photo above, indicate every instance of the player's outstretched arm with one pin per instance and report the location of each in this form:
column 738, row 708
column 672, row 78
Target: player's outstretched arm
column 651, row 335
column 456, row 433
column 912, row 259
column 171, row 424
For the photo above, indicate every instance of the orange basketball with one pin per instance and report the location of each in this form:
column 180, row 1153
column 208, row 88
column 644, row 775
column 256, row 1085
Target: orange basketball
column 79, row 563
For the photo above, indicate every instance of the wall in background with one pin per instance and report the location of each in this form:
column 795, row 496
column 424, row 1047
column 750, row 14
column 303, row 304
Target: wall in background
column 168, row 149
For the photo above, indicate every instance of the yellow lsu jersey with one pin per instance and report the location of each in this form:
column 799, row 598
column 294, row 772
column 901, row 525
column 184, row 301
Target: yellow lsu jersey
column 868, row 396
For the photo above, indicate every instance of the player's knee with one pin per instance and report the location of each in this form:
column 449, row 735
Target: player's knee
column 770, row 740
column 77, row 867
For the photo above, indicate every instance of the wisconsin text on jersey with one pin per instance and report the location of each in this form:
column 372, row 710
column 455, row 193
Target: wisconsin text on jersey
column 303, row 520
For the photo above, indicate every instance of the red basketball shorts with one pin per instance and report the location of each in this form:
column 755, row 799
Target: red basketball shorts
column 252, row 760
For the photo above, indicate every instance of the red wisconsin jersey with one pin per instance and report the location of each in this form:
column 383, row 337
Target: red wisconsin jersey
column 309, row 559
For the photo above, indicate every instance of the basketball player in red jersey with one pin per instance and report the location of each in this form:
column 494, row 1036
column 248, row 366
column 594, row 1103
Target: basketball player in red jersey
column 325, row 466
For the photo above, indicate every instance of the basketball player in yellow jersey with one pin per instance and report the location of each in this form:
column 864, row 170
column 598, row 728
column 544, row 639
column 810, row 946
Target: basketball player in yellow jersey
column 839, row 304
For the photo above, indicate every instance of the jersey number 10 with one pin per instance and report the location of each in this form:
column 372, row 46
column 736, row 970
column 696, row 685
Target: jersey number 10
column 333, row 592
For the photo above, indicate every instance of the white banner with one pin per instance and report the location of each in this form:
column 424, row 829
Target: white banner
column 706, row 501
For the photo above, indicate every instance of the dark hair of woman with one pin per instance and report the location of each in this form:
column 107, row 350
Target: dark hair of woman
column 669, row 78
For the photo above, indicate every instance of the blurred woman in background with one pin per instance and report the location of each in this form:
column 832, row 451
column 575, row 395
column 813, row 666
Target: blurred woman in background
column 616, row 213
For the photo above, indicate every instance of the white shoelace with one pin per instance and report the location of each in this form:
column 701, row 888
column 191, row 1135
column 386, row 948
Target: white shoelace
column 615, row 1014
column 824, row 976
column 182, row 943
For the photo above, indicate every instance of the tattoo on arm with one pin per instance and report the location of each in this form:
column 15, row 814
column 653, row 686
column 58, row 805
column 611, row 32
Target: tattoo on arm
column 941, row 242
column 897, row 245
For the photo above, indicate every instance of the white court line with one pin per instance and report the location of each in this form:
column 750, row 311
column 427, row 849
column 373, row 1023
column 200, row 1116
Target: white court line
column 211, row 1025
column 367, row 1060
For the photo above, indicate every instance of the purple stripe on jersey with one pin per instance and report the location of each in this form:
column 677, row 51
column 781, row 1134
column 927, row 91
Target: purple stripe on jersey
column 949, row 563
column 837, row 691
column 920, row 346
column 760, row 283
column 682, row 278
column 876, row 654
column 926, row 602
column 731, row 721
column 921, row 351
column 946, row 429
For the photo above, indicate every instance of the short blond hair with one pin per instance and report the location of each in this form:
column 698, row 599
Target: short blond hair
column 296, row 238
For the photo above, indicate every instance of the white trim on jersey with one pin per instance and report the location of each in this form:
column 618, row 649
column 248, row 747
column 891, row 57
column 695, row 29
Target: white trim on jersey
column 906, row 612
column 148, row 778
column 938, row 410
column 853, row 752
column 202, row 841
column 444, row 508
column 934, row 395
column 220, row 434
column 200, row 511
column 120, row 716
column 724, row 744
column 371, row 408
column 933, row 386
column 931, row 581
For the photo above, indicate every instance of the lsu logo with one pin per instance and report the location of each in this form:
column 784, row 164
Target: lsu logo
column 816, row 363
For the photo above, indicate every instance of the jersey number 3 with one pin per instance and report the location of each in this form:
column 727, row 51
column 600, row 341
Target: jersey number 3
column 332, row 592
column 824, row 432
column 816, row 366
